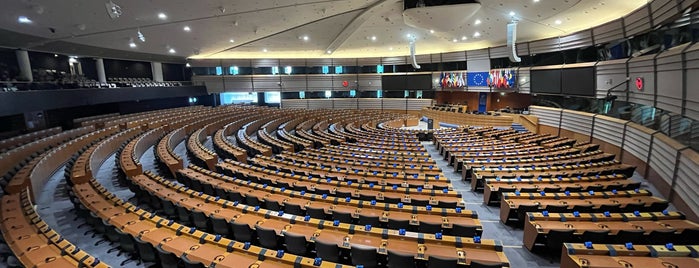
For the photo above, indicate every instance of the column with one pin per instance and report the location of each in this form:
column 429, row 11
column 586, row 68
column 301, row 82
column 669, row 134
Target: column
column 101, row 76
column 25, row 67
column 157, row 69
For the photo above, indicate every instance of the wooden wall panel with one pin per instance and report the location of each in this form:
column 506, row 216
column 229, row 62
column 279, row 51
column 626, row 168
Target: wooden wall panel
column 545, row 45
column 609, row 74
column 663, row 157
column 547, row 116
column 637, row 22
column 670, row 79
column 608, row 32
column 580, row 39
column 691, row 107
column 642, row 67
column 608, row 129
column 577, row 121
column 687, row 182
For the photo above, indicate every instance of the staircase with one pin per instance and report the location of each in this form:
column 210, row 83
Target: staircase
column 518, row 127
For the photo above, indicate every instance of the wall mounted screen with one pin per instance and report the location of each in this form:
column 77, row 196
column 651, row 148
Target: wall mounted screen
column 578, row 81
column 406, row 82
column 546, row 81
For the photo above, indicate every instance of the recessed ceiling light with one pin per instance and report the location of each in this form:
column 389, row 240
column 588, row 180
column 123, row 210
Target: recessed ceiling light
column 186, row 29
column 476, row 34
column 390, row 48
column 329, row 51
column 305, row 38
column 536, row 1
column 264, row 50
column 464, row 37
column 431, row 31
column 408, row 35
column 512, row 13
column 373, row 38
column 558, row 22
column 55, row 55
column 24, row 20
column 172, row 51
column 232, row 41
column 132, row 44
column 162, row 16
column 454, row 40
column 477, row 22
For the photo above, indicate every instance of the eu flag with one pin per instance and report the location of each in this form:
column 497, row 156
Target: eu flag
column 477, row 79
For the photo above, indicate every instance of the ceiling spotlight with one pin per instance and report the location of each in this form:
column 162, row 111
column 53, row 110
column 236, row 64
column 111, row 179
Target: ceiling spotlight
column 390, row 48
column 132, row 44
column 264, row 50
column 141, row 36
column 329, row 51
column 476, row 34
column 431, row 31
column 113, row 10
column 512, row 13
column 463, row 38
column 558, row 22
column 24, row 20
column 187, row 29
column 536, row 1
column 172, row 51
column 162, row 16
column 477, row 22
column 455, row 40
column 373, row 38
column 232, row 41
column 305, row 38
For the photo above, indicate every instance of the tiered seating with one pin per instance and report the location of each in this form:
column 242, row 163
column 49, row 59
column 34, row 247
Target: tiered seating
column 34, row 242
column 17, row 141
column 565, row 193
column 651, row 256
column 141, row 82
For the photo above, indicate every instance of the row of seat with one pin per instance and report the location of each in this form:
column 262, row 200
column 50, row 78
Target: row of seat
column 321, row 206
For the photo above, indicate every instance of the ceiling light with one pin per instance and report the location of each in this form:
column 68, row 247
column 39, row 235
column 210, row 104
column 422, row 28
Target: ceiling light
column 187, row 65
column 232, row 41
column 264, row 50
column 24, row 20
column 141, row 36
column 113, row 10
column 408, row 35
column 477, row 22
column 186, row 29
column 390, row 48
column 373, row 38
column 162, row 16
column 476, row 34
column 132, row 44
column 512, row 13
column 536, row 1
column 172, row 51
column 55, row 55
column 431, row 31
column 464, row 37
column 558, row 22
column 329, row 51
column 305, row 38
column 454, row 40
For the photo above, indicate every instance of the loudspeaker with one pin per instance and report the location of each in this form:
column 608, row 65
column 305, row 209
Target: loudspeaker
column 511, row 41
